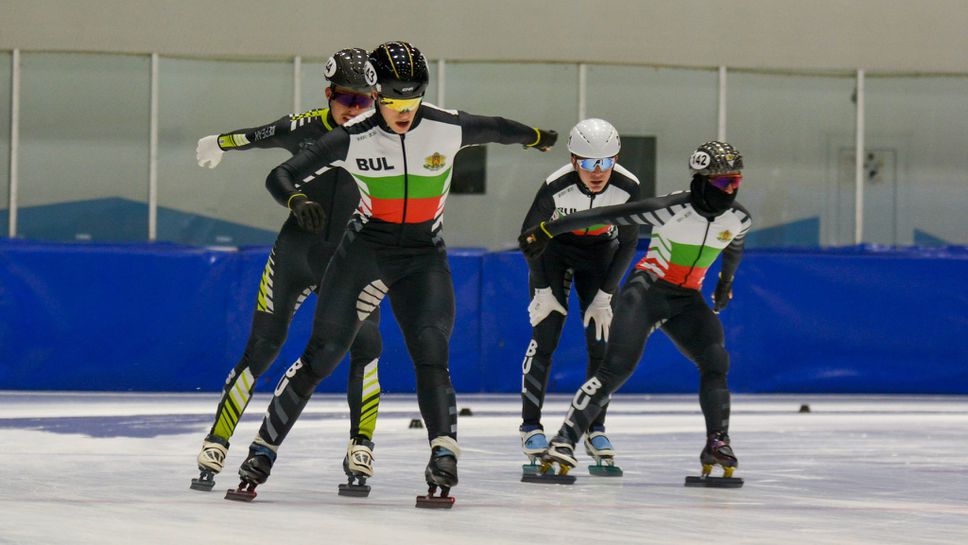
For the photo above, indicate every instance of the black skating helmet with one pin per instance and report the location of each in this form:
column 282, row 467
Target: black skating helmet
column 715, row 158
column 350, row 68
column 401, row 70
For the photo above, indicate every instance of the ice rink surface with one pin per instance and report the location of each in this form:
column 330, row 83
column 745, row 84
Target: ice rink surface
column 115, row 468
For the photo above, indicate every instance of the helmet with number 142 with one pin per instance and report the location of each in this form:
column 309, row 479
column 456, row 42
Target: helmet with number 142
column 715, row 157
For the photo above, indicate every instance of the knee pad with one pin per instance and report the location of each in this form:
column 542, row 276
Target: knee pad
column 261, row 352
column 368, row 344
column 322, row 356
column 430, row 347
column 714, row 361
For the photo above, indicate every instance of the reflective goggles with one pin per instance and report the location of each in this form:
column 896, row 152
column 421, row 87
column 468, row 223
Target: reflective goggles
column 401, row 105
column 351, row 100
column 589, row 164
column 726, row 182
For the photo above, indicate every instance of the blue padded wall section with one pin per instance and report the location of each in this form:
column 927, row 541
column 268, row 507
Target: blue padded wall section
column 164, row 317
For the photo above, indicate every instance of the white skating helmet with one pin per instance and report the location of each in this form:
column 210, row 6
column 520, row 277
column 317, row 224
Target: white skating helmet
column 594, row 139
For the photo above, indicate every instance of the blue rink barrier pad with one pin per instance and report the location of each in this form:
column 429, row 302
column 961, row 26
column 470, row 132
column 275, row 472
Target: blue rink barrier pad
column 167, row 317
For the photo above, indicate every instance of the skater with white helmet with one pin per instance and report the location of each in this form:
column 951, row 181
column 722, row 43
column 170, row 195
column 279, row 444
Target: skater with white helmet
column 593, row 259
column 689, row 230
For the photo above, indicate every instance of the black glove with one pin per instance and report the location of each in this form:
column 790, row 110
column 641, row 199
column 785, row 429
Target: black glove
column 309, row 214
column 534, row 240
column 546, row 139
column 722, row 294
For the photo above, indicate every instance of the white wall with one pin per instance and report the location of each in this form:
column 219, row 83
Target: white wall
column 892, row 35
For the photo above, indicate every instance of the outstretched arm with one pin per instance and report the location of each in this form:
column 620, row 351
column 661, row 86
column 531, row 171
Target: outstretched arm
column 480, row 129
column 277, row 134
column 271, row 135
column 534, row 240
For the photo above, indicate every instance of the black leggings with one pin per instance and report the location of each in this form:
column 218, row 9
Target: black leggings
column 421, row 293
column 643, row 306
column 292, row 272
column 586, row 266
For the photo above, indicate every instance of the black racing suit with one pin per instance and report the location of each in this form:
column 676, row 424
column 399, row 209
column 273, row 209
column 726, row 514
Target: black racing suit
column 595, row 258
column 663, row 292
column 294, row 270
column 393, row 247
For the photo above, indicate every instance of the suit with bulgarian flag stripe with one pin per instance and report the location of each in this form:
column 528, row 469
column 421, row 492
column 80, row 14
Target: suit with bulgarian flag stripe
column 684, row 242
column 403, row 180
column 663, row 293
column 391, row 249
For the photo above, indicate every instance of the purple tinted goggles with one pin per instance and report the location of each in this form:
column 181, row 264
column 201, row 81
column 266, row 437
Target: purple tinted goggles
column 351, row 100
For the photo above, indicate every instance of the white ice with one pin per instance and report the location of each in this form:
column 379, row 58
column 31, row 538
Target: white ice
column 115, row 468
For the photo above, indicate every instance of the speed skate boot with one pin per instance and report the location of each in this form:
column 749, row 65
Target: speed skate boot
column 253, row 471
column 533, row 444
column 717, row 452
column 441, row 472
column 210, row 461
column 601, row 450
column 358, row 466
column 560, row 452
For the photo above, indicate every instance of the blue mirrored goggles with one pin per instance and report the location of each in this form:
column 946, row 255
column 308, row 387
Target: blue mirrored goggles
column 604, row 163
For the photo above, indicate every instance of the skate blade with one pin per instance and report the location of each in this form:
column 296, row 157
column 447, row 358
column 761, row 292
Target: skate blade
column 354, row 490
column 240, row 495
column 548, row 478
column 605, row 470
column 715, row 482
column 205, row 485
column 435, row 502
column 530, row 469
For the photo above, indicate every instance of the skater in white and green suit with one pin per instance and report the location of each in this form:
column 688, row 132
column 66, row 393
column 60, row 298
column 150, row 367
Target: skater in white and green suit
column 689, row 230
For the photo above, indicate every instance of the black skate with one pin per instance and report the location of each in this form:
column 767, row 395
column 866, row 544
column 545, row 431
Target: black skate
column 358, row 465
column 717, row 452
column 441, row 472
column 253, row 471
column 562, row 453
column 210, row 461
column 601, row 450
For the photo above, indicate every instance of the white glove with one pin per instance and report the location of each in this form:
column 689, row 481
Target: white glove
column 543, row 304
column 601, row 311
column 208, row 153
